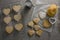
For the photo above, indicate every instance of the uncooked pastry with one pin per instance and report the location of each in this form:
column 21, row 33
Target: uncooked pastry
column 46, row 24
column 7, row 19
column 17, row 17
column 39, row 32
column 9, row 29
column 36, row 27
column 52, row 9
column 36, row 20
column 31, row 32
column 16, row 8
column 6, row 11
column 19, row 27
column 31, row 24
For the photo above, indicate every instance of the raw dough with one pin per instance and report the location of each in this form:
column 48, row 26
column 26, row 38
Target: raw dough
column 17, row 17
column 16, row 8
column 46, row 24
column 36, row 20
column 39, row 32
column 19, row 27
column 31, row 24
column 9, row 29
column 7, row 19
column 52, row 9
column 31, row 32
column 6, row 11
column 36, row 27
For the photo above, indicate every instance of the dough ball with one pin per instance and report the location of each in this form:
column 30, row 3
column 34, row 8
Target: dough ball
column 52, row 9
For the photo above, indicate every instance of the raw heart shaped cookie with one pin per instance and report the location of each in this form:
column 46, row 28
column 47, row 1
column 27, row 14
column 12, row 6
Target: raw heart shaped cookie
column 18, row 27
column 16, row 8
column 6, row 11
column 17, row 17
column 31, row 32
column 36, row 27
column 7, row 20
column 9, row 29
column 39, row 32
column 30, row 24
column 36, row 20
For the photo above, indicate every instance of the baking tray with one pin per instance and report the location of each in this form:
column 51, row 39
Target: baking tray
column 26, row 13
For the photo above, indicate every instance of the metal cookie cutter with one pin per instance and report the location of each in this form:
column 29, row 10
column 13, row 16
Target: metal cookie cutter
column 30, row 3
column 52, row 20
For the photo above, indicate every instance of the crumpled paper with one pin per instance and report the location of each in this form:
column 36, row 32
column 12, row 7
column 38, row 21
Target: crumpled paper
column 36, row 2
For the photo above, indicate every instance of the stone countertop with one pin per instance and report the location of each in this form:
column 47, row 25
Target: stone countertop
column 23, row 35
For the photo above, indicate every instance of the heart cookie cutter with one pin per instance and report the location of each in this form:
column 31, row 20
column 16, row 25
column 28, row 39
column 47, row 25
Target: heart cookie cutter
column 52, row 20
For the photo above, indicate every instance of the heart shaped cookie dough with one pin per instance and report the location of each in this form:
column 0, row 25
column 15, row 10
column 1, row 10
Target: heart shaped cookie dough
column 9, row 29
column 36, row 20
column 19, row 27
column 39, row 32
column 16, row 8
column 31, row 32
column 7, row 20
column 6, row 11
column 30, row 24
column 36, row 27
column 17, row 17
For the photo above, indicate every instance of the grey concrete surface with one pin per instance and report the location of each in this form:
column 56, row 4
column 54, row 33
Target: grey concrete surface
column 26, row 16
